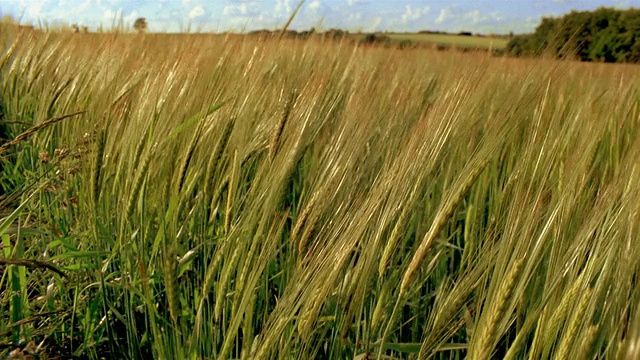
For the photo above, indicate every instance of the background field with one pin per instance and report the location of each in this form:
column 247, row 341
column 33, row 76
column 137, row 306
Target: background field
column 453, row 40
column 227, row 197
column 439, row 40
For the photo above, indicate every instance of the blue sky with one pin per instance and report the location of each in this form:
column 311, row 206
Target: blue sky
column 484, row 16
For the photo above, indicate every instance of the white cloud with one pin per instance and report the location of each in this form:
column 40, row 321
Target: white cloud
column 131, row 17
column 474, row 16
column 112, row 2
column 235, row 10
column 35, row 10
column 86, row 5
column 245, row 15
column 196, row 12
column 283, row 7
column 622, row 3
column 412, row 14
column 109, row 14
column 497, row 16
column 314, row 5
column 444, row 16
column 374, row 26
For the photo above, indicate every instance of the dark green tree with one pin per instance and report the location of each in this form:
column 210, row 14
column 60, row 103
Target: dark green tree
column 605, row 34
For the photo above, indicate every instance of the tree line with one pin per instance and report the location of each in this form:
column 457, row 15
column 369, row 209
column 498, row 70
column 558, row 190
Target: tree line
column 603, row 35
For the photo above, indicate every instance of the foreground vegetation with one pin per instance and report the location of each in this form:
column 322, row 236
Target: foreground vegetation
column 212, row 197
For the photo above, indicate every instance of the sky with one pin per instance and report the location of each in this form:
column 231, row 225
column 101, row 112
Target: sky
column 478, row 16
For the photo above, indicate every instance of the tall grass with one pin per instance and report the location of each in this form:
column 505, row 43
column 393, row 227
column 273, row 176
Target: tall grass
column 224, row 197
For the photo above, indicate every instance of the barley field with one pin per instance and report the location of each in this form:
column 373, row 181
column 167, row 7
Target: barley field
column 211, row 197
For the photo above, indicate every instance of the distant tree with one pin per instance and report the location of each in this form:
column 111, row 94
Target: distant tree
column 336, row 33
column 140, row 25
column 605, row 34
column 376, row 39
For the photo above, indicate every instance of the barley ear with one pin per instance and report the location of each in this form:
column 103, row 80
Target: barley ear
column 380, row 310
column 277, row 134
column 214, row 161
column 533, row 318
column 95, row 180
column 137, row 185
column 438, row 224
column 137, row 155
column 184, row 165
column 392, row 241
column 213, row 206
column 209, row 280
column 483, row 348
column 577, row 319
column 305, row 225
column 231, row 193
column 170, row 280
column 223, row 283
column 559, row 315
column 586, row 346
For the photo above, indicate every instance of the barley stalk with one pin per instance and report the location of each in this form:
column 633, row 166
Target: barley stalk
column 34, row 264
column 538, row 335
column 516, row 344
column 293, row 15
column 25, row 135
column 532, row 319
